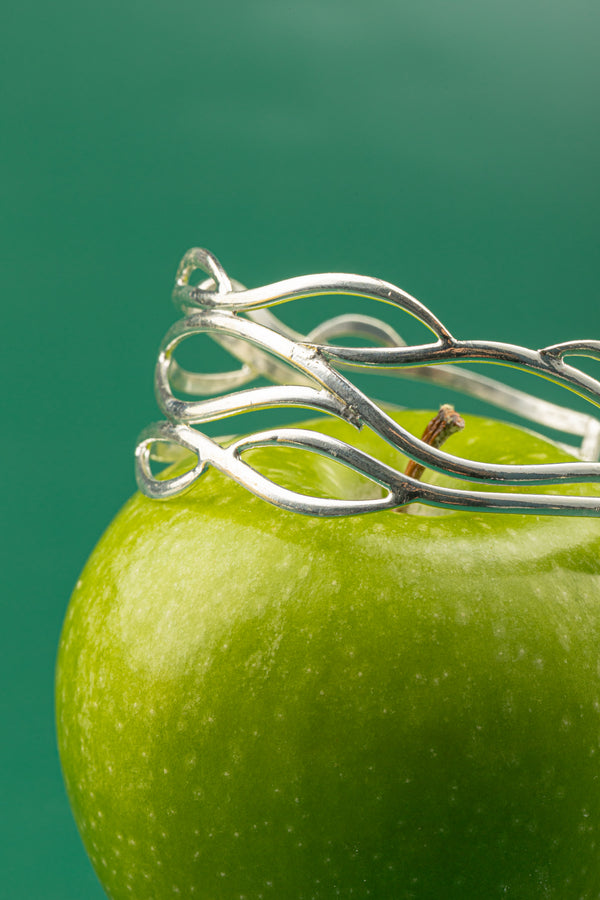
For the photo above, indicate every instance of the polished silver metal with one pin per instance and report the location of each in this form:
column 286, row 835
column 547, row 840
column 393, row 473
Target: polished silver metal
column 306, row 371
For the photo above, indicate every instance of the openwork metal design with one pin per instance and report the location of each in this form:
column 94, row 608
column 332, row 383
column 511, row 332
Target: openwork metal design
column 312, row 373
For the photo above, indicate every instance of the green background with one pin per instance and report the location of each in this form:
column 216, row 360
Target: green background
column 449, row 147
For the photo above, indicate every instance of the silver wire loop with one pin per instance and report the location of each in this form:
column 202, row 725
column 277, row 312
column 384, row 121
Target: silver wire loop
column 307, row 371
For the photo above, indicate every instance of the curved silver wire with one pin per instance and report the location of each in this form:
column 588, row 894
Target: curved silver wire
column 307, row 372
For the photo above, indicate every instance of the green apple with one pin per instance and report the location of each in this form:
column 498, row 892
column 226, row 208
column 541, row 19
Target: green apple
column 255, row 704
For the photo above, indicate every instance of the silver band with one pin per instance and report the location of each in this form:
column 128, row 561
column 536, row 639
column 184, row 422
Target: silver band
column 309, row 372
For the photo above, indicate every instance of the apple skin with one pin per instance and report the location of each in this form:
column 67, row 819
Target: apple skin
column 254, row 704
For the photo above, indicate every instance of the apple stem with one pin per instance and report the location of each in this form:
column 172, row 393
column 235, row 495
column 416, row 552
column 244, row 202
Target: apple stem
column 444, row 424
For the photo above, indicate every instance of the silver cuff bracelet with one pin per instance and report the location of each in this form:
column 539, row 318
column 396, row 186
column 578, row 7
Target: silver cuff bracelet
column 309, row 372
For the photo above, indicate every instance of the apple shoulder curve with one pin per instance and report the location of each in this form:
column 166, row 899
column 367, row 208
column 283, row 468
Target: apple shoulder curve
column 310, row 372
